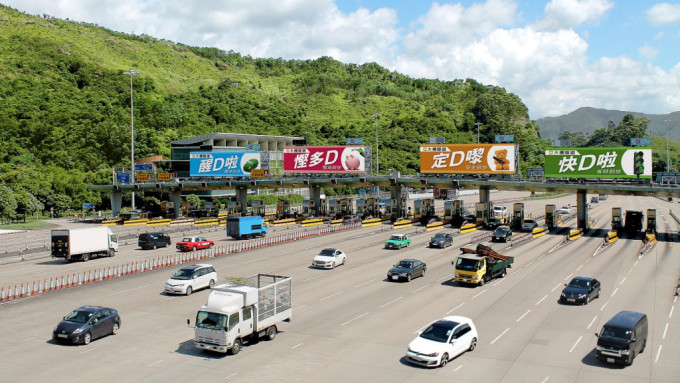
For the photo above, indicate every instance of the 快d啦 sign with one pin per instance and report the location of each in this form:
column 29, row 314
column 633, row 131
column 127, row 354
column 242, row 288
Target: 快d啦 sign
column 324, row 159
column 468, row 158
column 595, row 162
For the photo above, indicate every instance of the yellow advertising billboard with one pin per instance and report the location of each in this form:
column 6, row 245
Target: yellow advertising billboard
column 468, row 158
column 165, row 176
column 259, row 173
column 142, row 177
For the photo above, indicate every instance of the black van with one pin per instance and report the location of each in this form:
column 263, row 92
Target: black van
column 153, row 240
column 622, row 338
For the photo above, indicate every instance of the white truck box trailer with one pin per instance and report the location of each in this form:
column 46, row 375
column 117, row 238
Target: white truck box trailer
column 83, row 243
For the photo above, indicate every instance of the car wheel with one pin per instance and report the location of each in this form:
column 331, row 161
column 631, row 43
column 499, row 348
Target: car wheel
column 236, row 347
column 504, row 273
column 424, row 270
column 87, row 338
column 587, row 299
column 343, row 261
column 598, row 294
column 473, row 344
column 408, row 278
column 194, row 248
column 212, row 283
column 481, row 281
column 271, row 333
column 86, row 257
column 644, row 344
column 445, row 360
column 115, row 328
column 189, row 290
column 333, row 265
column 211, row 245
column 154, row 246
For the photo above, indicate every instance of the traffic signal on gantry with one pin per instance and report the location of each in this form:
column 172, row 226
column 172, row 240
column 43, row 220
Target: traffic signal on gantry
column 639, row 163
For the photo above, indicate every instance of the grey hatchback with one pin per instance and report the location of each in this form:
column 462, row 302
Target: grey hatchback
column 153, row 240
column 87, row 323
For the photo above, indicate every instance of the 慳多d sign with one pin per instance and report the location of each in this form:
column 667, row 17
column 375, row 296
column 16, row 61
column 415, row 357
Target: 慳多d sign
column 468, row 158
column 223, row 164
column 324, row 159
column 596, row 162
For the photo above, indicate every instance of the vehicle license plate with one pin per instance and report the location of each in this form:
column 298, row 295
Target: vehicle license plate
column 395, row 277
column 611, row 360
column 571, row 300
column 62, row 335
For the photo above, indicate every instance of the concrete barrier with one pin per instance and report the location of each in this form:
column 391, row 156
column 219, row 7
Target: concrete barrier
column 468, row 228
column 612, row 237
column 575, row 234
column 434, row 226
column 158, row 222
column 538, row 232
column 206, row 222
column 402, row 224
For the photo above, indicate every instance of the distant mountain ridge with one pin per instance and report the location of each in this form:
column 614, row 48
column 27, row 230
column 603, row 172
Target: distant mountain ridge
column 587, row 119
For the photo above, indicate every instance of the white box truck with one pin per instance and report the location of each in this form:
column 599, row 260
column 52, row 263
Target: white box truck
column 238, row 314
column 83, row 243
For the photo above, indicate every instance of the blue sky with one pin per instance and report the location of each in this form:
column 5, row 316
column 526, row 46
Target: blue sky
column 557, row 55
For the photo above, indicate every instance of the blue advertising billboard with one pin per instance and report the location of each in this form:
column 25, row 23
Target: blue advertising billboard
column 223, row 164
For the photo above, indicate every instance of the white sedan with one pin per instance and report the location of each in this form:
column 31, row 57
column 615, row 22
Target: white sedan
column 329, row 258
column 442, row 341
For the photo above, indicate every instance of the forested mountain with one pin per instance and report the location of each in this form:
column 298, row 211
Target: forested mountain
column 65, row 116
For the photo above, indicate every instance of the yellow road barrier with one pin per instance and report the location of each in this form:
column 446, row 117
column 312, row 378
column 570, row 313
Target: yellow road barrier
column 575, row 234
column 538, row 232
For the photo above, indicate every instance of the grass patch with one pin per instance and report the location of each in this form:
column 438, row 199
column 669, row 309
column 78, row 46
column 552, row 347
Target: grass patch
column 25, row 226
column 547, row 196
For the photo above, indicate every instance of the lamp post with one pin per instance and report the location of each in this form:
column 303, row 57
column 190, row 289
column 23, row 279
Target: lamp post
column 478, row 124
column 132, row 73
column 377, row 153
column 668, row 160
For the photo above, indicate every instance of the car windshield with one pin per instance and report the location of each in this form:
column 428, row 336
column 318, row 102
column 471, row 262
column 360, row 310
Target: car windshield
column 529, row 221
column 396, row 238
column 327, row 253
column 578, row 283
column 212, row 321
column 466, row 264
column 78, row 316
column 183, row 274
column 187, row 239
column 501, row 230
column 438, row 332
column 439, row 236
column 405, row 264
column 615, row 334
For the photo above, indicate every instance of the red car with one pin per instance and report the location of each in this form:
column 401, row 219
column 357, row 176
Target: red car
column 194, row 243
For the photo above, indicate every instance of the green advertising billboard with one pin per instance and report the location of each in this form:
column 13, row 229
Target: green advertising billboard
column 598, row 162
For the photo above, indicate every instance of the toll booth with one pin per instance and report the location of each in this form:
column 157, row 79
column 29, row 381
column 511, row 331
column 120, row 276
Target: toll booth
column 361, row 207
column 454, row 212
column 333, row 207
column 282, row 209
column 517, row 215
column 372, row 207
column 551, row 217
column 346, row 206
column 234, row 208
column 617, row 219
column 389, row 208
column 483, row 210
column 651, row 221
column 259, row 208
column 308, row 208
column 423, row 209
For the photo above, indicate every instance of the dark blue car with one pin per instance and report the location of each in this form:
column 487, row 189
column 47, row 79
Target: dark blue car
column 407, row 269
column 581, row 290
column 86, row 323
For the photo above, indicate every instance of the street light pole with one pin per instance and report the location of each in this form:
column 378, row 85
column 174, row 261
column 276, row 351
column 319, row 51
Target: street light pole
column 668, row 165
column 477, row 124
column 132, row 73
column 377, row 153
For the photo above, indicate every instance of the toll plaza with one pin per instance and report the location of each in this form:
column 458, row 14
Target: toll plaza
column 551, row 217
column 454, row 212
column 651, row 221
column 259, row 208
column 234, row 208
column 423, row 209
column 517, row 215
column 617, row 219
column 483, row 211
column 283, row 209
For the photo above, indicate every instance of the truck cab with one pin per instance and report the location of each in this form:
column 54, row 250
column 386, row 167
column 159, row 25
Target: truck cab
column 470, row 269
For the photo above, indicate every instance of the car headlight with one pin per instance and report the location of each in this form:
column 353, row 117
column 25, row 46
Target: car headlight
column 564, row 295
column 625, row 352
column 598, row 348
column 431, row 354
column 581, row 295
column 78, row 330
column 55, row 328
column 476, row 277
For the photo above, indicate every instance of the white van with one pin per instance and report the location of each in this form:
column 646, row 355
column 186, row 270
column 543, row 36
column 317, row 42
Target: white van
column 500, row 210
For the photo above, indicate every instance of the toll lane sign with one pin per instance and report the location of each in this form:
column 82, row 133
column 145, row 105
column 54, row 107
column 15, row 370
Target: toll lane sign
column 598, row 162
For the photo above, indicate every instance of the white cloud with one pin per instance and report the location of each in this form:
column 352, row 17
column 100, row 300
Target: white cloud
column 648, row 52
column 565, row 14
column 664, row 13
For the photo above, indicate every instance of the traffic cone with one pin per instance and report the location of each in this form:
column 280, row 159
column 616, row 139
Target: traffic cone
column 2, row 295
column 68, row 281
column 9, row 296
column 63, row 283
column 57, row 285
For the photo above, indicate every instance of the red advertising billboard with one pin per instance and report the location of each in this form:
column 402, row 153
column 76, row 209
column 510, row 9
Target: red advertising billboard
column 324, row 159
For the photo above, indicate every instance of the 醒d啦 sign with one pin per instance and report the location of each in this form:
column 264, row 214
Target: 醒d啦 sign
column 468, row 158
column 324, row 159
column 595, row 162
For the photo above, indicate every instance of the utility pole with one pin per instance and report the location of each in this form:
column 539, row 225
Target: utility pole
column 377, row 154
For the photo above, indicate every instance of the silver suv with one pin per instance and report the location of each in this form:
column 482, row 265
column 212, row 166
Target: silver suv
column 191, row 278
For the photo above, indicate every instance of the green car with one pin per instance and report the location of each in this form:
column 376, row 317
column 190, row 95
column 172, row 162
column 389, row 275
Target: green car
column 397, row 241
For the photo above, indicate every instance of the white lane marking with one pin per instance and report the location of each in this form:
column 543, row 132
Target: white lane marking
column 331, row 296
column 658, row 353
column 128, row 290
column 664, row 331
column 558, row 285
column 155, row 363
column 591, row 323
column 542, row 299
column 499, row 282
column 92, row 349
column 161, row 326
column 498, row 337
column 529, row 264
column 623, row 280
column 365, row 283
column 453, row 309
column 309, row 279
column 416, row 290
column 631, row 269
column 635, row 264
column 675, row 299
column 479, row 293
column 458, row 368
column 297, row 345
column 448, row 276
column 229, row 376
column 27, row 339
column 587, row 260
column 525, row 314
column 546, row 379
column 169, row 299
column 299, row 307
column 574, row 346
column 604, row 305
column 352, row 320
column 568, row 276
column 614, row 293
column 579, row 268
column 392, row 301
column 670, row 314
